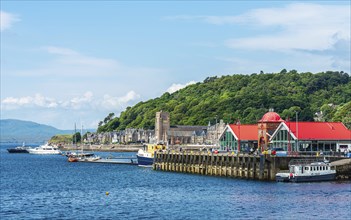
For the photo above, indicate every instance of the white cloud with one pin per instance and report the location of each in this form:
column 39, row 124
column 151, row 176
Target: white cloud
column 297, row 26
column 303, row 26
column 66, row 62
column 297, row 29
column 63, row 113
column 80, row 102
column 175, row 87
column 71, row 59
column 37, row 101
column 7, row 20
column 84, row 102
column 118, row 103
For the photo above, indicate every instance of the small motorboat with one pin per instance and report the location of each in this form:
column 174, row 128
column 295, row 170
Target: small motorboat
column 88, row 158
column 72, row 159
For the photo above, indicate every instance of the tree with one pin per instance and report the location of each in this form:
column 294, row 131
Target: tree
column 76, row 138
column 343, row 114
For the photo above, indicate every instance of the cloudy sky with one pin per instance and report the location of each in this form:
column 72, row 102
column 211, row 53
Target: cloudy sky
column 64, row 62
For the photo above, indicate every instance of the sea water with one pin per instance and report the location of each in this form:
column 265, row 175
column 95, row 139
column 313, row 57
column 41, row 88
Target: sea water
column 49, row 187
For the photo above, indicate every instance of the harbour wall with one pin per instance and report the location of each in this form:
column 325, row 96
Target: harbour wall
column 255, row 167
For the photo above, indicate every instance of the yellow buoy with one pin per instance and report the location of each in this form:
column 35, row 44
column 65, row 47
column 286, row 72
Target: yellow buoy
column 107, row 193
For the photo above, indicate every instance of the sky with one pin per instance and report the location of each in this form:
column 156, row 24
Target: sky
column 66, row 62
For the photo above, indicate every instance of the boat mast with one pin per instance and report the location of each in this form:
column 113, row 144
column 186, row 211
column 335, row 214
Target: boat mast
column 75, row 136
column 81, row 136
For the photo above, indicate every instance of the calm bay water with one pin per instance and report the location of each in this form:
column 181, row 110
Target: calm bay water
column 49, row 187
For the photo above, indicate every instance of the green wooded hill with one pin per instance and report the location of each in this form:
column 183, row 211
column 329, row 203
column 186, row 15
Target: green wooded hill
column 247, row 98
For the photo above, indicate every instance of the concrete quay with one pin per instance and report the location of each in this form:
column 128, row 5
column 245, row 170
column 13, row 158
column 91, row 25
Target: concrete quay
column 255, row 167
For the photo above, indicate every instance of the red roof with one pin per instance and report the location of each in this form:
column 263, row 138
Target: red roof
column 245, row 132
column 320, row 130
column 271, row 117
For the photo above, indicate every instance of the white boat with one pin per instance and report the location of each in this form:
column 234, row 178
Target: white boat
column 88, row 158
column 307, row 171
column 44, row 149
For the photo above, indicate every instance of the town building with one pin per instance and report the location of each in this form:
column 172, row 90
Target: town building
column 300, row 137
column 312, row 137
column 237, row 137
column 184, row 134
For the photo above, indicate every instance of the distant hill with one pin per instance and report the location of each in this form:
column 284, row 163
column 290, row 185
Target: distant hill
column 246, row 98
column 18, row 131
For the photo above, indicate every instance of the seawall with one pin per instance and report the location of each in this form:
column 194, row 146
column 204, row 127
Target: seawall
column 255, row 167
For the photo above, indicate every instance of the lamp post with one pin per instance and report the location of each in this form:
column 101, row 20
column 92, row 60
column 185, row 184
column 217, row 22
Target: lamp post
column 297, row 131
column 239, row 136
column 216, row 127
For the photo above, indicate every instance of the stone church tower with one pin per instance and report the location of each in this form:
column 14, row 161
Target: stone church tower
column 162, row 125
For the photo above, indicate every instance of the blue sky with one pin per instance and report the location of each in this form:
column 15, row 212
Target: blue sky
column 76, row 61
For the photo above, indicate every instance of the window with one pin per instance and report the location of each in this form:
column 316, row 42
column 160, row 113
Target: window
column 228, row 140
column 333, row 146
column 327, row 147
column 314, row 147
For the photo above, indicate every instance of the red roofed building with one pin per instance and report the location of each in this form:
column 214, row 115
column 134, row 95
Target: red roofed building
column 273, row 132
column 266, row 127
column 312, row 137
column 236, row 137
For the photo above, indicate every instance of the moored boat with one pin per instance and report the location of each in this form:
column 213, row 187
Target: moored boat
column 146, row 155
column 81, row 156
column 307, row 171
column 72, row 159
column 88, row 158
column 44, row 149
column 19, row 149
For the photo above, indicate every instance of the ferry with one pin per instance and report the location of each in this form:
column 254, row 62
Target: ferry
column 146, row 155
column 307, row 171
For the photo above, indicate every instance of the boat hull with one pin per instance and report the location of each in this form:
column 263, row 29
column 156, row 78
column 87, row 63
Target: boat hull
column 17, row 151
column 145, row 161
column 52, row 152
column 72, row 159
column 282, row 177
column 314, row 178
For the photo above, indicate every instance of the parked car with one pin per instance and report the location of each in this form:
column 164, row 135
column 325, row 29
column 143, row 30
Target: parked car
column 278, row 151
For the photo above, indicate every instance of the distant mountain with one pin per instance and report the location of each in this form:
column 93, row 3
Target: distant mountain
column 18, row 131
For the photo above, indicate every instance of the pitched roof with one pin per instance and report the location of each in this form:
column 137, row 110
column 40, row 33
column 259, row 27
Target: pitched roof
column 245, row 132
column 319, row 130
